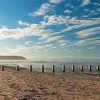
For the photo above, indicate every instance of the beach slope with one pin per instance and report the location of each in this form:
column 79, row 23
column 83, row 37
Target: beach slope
column 25, row 85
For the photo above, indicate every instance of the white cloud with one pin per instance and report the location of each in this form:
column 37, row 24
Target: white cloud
column 88, row 32
column 61, row 41
column 85, row 2
column 11, row 33
column 53, row 38
column 4, row 26
column 79, row 24
column 22, row 32
column 96, row 4
column 74, row 22
column 68, row 4
column 28, row 42
column 62, row 45
column 92, row 47
column 55, row 1
column 55, row 20
column 89, row 12
column 23, row 23
column 18, row 48
column 90, row 41
column 33, row 30
column 34, row 26
column 46, row 7
column 85, row 42
column 27, row 49
column 68, row 11
column 98, row 9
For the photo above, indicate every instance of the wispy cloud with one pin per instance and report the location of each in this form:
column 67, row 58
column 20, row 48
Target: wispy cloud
column 23, row 23
column 22, row 32
column 90, row 41
column 55, row 1
column 88, row 32
column 18, row 48
column 28, row 42
column 61, row 19
column 68, row 11
column 92, row 47
column 77, row 24
column 55, row 20
column 85, row 2
column 27, row 49
column 96, row 4
column 46, row 7
column 33, row 30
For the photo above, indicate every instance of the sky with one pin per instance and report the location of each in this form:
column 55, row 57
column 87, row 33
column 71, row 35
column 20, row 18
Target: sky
column 50, row 29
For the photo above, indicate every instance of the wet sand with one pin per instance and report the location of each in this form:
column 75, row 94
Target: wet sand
column 25, row 85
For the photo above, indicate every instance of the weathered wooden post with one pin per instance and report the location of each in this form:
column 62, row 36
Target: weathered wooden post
column 53, row 68
column 42, row 68
column 81, row 68
column 2, row 68
column 90, row 68
column 17, row 68
column 30, row 69
column 63, row 69
column 73, row 68
column 98, row 68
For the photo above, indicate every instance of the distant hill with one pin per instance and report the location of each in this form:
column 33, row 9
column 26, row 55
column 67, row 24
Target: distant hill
column 12, row 58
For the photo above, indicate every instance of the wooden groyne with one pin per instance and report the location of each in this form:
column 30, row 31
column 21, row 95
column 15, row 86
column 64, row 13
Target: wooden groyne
column 53, row 68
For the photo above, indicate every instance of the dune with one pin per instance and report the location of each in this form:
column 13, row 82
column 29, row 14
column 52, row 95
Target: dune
column 25, row 85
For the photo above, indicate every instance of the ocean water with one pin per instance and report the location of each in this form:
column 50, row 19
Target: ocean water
column 37, row 65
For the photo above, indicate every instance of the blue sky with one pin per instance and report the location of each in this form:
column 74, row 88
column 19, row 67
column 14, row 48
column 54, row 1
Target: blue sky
column 50, row 29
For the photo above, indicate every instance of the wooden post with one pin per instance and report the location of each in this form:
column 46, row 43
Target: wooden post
column 63, row 69
column 98, row 68
column 81, row 68
column 73, row 68
column 42, row 68
column 90, row 68
column 30, row 69
column 17, row 68
column 53, row 68
column 2, row 68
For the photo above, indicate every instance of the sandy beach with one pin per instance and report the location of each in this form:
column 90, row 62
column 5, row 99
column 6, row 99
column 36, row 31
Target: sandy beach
column 25, row 85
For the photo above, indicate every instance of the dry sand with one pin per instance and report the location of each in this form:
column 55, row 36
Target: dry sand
column 25, row 85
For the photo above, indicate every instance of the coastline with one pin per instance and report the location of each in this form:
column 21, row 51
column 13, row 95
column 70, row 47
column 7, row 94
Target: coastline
column 25, row 85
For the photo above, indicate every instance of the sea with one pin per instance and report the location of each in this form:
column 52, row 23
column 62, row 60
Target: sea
column 37, row 65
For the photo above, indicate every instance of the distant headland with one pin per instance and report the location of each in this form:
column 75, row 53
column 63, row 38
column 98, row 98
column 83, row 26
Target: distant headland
column 12, row 58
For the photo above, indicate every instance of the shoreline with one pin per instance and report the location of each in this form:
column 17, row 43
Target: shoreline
column 49, row 71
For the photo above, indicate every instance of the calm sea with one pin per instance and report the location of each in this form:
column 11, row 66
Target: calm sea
column 58, row 65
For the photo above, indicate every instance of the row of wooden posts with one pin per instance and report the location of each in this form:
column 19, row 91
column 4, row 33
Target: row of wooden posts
column 53, row 68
